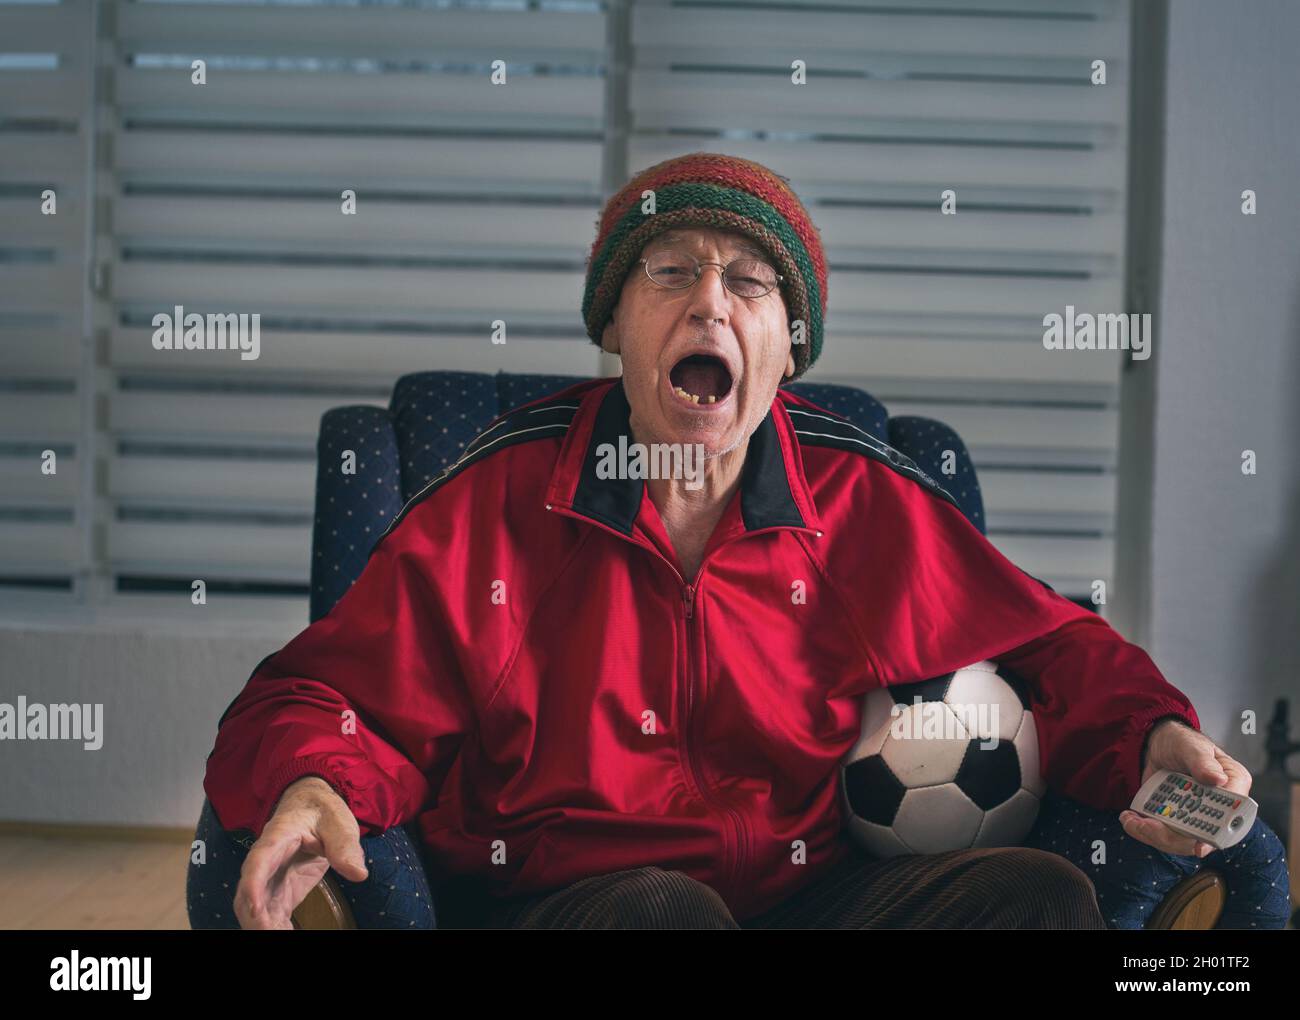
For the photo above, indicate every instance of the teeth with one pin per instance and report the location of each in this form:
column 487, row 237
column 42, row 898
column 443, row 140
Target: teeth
column 694, row 398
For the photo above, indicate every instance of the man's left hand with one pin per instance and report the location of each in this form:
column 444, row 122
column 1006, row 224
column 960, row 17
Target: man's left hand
column 1173, row 745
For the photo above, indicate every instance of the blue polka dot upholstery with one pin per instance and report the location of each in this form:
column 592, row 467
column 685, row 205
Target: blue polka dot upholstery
column 1133, row 877
column 858, row 406
column 513, row 390
column 928, row 443
column 354, row 503
column 431, row 418
column 435, row 416
column 395, row 893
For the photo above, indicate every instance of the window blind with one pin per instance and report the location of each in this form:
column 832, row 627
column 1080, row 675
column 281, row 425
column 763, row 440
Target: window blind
column 472, row 203
column 477, row 202
column 45, row 136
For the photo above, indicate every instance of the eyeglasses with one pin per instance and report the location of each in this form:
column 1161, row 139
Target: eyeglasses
column 676, row 270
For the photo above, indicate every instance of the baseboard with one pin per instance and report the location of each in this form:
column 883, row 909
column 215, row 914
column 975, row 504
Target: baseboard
column 86, row 833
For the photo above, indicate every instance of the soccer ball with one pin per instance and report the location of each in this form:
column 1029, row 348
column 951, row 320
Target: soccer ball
column 944, row 764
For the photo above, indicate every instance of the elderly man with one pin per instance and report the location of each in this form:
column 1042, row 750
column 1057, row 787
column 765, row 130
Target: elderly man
column 597, row 691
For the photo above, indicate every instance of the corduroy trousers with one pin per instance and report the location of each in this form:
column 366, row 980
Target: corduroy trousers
column 1009, row 887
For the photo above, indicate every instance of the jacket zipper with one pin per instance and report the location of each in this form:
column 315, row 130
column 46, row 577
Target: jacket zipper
column 738, row 823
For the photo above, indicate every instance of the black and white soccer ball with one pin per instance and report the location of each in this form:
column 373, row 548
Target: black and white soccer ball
column 930, row 777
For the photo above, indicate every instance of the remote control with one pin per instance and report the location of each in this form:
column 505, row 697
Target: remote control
column 1207, row 813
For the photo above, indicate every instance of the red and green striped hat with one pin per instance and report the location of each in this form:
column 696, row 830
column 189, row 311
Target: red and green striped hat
column 708, row 189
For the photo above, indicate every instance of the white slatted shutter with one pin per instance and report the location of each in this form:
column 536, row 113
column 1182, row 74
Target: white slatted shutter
column 475, row 202
column 478, row 202
column 45, row 60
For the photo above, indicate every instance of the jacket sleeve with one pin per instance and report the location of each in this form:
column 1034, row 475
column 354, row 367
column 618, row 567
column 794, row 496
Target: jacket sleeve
column 367, row 697
column 944, row 597
column 1095, row 698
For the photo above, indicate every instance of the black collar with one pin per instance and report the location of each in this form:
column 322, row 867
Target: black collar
column 766, row 500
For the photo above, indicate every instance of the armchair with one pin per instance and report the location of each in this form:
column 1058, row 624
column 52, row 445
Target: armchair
column 431, row 418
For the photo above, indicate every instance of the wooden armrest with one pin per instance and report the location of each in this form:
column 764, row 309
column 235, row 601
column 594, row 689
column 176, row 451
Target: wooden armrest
column 1194, row 904
column 324, row 908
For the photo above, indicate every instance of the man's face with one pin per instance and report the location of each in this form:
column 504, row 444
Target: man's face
column 703, row 339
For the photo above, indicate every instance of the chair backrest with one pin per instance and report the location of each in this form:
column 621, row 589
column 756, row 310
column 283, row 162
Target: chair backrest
column 433, row 416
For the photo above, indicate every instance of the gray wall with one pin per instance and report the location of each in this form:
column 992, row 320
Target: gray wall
column 1225, row 547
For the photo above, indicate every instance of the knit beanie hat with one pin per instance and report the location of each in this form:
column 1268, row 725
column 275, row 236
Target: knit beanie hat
column 708, row 189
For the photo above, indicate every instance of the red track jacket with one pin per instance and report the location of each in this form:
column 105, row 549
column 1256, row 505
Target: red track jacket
column 525, row 663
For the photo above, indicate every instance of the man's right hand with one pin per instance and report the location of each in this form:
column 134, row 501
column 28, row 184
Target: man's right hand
column 311, row 830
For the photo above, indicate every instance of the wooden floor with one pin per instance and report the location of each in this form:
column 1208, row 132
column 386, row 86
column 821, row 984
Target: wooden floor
column 83, row 883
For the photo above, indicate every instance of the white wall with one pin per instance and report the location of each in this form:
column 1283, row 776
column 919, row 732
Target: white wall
column 1225, row 552
column 163, row 689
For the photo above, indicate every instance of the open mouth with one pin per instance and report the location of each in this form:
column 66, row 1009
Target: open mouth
column 701, row 379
